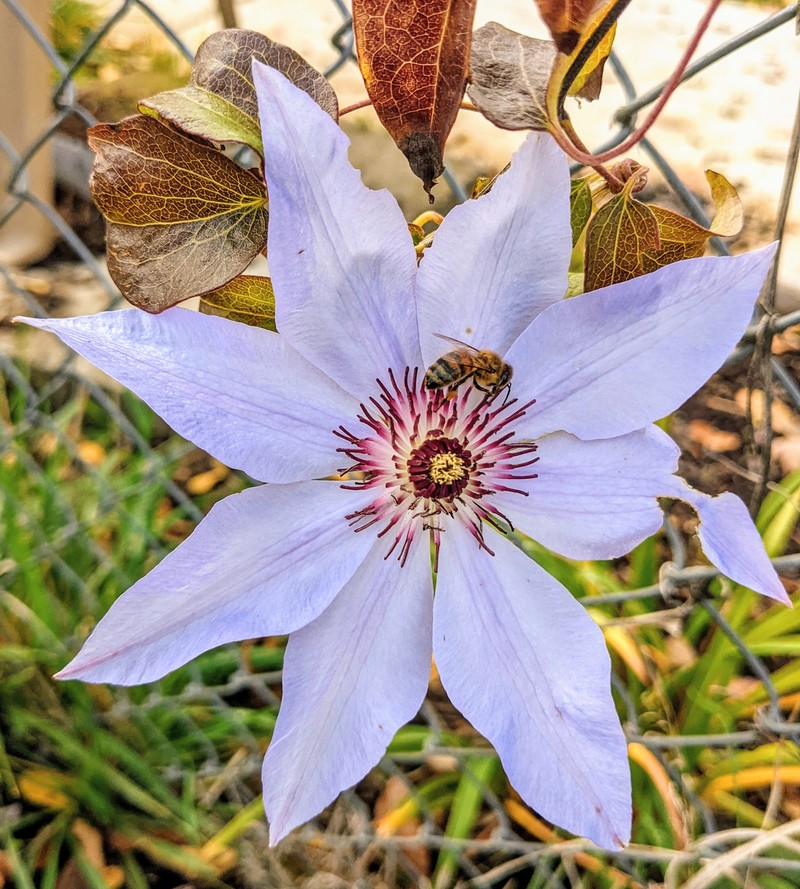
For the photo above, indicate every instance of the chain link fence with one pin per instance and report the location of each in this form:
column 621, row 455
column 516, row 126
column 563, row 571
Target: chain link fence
column 63, row 495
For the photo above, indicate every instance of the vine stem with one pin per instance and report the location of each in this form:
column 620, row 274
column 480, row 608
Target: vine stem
column 364, row 103
column 616, row 185
column 592, row 160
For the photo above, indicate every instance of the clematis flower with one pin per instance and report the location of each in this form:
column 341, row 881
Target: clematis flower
column 567, row 454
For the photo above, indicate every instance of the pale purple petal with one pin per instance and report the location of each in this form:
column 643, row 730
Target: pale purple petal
column 340, row 255
column 262, row 563
column 614, row 360
column 527, row 666
column 497, row 261
column 240, row 393
column 351, row 679
column 593, row 499
column 730, row 540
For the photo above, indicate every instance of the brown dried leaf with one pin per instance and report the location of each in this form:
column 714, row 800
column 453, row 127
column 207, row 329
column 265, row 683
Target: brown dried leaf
column 787, row 341
column 45, row 787
column 219, row 102
column 249, row 299
column 91, row 452
column 203, row 482
column 566, row 20
column 509, row 73
column 183, row 218
column 680, row 653
column 413, row 56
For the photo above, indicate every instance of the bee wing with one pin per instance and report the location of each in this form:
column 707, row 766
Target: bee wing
column 454, row 342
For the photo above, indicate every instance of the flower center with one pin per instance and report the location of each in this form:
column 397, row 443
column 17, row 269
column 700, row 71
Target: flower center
column 439, row 468
column 433, row 457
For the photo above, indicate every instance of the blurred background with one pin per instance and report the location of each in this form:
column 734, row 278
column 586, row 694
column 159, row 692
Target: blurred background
column 159, row 786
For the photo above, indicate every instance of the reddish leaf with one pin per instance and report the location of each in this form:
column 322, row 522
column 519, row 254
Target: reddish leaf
column 413, row 56
column 566, row 20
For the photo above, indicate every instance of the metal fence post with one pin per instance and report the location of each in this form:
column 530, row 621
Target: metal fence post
column 24, row 109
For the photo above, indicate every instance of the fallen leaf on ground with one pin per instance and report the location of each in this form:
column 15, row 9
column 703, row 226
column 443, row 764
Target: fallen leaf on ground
column 786, row 451
column 784, row 420
column 711, row 438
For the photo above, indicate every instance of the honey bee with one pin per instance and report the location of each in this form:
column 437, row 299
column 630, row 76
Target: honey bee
column 488, row 371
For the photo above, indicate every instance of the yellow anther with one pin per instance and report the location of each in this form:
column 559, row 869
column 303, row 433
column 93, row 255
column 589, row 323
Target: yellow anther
column 444, row 469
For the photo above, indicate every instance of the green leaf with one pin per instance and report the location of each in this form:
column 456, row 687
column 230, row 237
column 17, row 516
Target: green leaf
column 783, row 491
column 580, row 207
column 249, row 299
column 219, row 102
column 618, row 236
column 464, row 811
column 780, row 529
column 682, row 238
column 627, row 238
column 574, row 284
column 589, row 82
column 183, row 218
column 788, row 646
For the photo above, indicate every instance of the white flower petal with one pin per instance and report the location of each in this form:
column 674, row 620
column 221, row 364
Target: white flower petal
column 340, row 255
column 523, row 661
column 730, row 540
column 614, row 360
column 262, row 563
column 593, row 499
column 350, row 680
column 240, row 393
column 497, row 261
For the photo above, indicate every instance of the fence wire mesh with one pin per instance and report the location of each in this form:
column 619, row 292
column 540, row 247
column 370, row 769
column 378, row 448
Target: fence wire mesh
column 95, row 491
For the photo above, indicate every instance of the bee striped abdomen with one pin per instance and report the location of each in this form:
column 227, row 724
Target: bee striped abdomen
column 448, row 370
